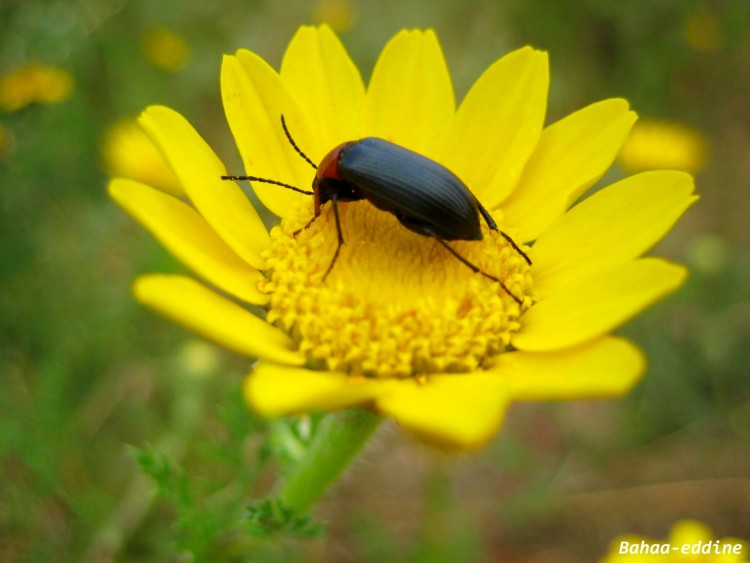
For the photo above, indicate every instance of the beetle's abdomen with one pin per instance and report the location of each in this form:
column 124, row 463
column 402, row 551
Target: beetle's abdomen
column 427, row 197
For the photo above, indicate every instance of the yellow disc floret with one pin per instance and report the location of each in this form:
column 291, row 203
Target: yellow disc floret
column 396, row 303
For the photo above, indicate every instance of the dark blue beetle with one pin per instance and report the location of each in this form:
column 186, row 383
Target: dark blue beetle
column 423, row 195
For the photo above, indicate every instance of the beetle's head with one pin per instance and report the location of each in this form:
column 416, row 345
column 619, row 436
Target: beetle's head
column 328, row 178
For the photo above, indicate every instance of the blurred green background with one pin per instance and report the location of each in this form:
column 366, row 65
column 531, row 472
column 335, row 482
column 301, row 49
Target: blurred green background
column 123, row 438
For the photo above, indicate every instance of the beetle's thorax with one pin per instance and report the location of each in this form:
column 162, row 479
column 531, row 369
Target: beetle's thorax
column 328, row 181
column 329, row 166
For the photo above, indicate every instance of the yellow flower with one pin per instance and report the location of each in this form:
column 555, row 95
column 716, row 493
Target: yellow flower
column 199, row 359
column 654, row 145
column 338, row 14
column 702, row 32
column 400, row 325
column 34, row 83
column 128, row 152
column 689, row 541
column 166, row 49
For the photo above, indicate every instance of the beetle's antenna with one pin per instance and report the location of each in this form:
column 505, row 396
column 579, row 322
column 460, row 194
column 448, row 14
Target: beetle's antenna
column 267, row 181
column 476, row 269
column 294, row 145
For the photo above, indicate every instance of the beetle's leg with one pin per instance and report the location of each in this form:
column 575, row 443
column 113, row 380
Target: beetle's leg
column 487, row 217
column 493, row 226
column 334, row 201
column 476, row 269
column 516, row 248
column 310, row 222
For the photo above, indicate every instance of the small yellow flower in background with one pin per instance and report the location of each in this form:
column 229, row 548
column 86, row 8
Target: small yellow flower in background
column 166, row 49
column 688, row 541
column 709, row 254
column 702, row 33
column 400, row 325
column 655, row 145
column 337, row 14
column 128, row 152
column 34, row 83
column 199, row 359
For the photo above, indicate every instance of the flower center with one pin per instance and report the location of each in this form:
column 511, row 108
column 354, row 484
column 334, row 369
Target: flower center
column 395, row 303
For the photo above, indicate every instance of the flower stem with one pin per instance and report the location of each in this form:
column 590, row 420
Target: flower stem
column 337, row 441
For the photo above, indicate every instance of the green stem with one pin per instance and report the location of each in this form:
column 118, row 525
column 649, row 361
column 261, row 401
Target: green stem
column 337, row 441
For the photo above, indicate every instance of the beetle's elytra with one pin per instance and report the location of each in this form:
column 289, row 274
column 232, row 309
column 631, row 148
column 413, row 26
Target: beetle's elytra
column 422, row 194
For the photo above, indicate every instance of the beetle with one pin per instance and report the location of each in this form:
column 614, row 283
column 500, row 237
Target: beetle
column 422, row 194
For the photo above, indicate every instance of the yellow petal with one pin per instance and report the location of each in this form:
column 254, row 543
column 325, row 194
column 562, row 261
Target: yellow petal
column 687, row 532
column 461, row 411
column 222, row 204
column 187, row 235
column 255, row 98
column 663, row 145
column 410, row 96
column 612, row 226
column 571, row 156
column 326, row 84
column 128, row 152
column 596, row 304
column 605, row 367
column 207, row 313
column 498, row 125
column 273, row 389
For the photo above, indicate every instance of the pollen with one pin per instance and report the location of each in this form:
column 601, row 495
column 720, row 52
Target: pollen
column 395, row 303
